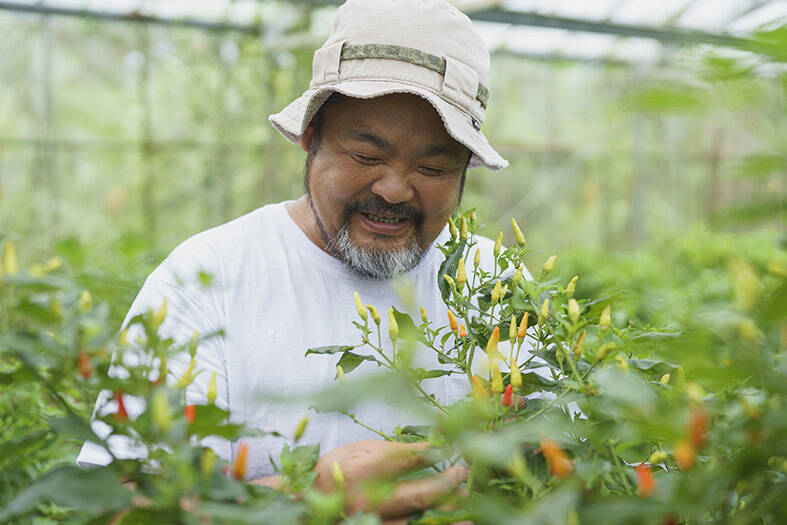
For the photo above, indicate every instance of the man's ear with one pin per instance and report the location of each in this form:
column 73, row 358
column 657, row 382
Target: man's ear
column 306, row 138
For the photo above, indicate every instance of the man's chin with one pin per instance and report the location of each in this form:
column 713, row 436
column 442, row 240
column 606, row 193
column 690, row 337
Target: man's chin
column 375, row 258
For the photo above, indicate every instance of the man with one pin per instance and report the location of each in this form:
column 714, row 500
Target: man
column 391, row 123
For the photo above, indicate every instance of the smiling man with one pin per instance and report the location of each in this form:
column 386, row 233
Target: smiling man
column 391, row 123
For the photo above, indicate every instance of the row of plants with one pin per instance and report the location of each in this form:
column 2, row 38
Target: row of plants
column 654, row 386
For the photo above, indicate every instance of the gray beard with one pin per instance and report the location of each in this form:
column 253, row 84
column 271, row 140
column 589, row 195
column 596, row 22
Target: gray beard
column 374, row 263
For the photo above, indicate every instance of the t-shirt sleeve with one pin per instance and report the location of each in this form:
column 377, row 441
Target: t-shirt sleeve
column 190, row 280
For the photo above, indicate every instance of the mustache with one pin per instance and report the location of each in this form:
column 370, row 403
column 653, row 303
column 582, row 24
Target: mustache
column 378, row 205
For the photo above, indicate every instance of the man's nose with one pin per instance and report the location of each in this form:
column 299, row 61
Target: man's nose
column 394, row 185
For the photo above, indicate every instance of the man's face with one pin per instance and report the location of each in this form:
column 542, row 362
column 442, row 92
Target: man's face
column 382, row 182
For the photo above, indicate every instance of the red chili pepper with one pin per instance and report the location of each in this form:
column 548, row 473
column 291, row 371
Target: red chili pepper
column 646, row 485
column 507, row 396
column 83, row 364
column 190, row 413
column 120, row 414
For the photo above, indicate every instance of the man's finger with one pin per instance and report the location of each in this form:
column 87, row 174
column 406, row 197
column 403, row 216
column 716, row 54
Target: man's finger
column 404, row 457
column 412, row 496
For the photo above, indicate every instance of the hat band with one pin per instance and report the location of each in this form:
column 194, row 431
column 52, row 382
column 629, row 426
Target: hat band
column 406, row 54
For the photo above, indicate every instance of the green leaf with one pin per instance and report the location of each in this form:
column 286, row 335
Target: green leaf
column 420, row 373
column 75, row 427
column 408, row 330
column 333, row 349
column 449, row 268
column 86, row 490
column 350, row 361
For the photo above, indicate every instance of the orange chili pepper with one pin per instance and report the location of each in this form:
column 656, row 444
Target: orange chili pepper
column 698, row 426
column 646, row 485
column 559, row 463
column 463, row 331
column 522, row 327
column 452, row 322
column 685, row 455
column 83, row 364
column 239, row 465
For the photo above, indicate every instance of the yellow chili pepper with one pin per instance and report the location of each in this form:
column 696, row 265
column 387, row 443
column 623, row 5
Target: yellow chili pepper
column 496, row 293
column 207, row 462
column 579, row 344
column 452, row 229
column 518, row 235
column 461, row 274
column 479, row 390
column 424, row 318
column 497, row 380
column 339, row 373
column 338, row 476
column 10, row 264
column 449, row 280
column 665, row 379
column 543, row 313
column 375, row 314
column 85, row 300
column 212, row 389
column 605, row 319
column 301, row 428
column 518, row 274
column 512, row 329
column 359, row 307
column 491, row 346
column 162, row 415
column 477, row 258
column 185, row 379
column 548, row 266
column 393, row 326
column 572, row 285
column 573, row 310
column 516, row 376
column 498, row 244
column 463, row 229
column 604, row 350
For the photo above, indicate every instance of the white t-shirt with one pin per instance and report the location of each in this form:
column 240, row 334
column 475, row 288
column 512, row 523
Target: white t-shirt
column 276, row 294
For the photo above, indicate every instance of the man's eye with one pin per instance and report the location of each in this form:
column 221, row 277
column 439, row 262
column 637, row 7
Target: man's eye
column 363, row 159
column 431, row 172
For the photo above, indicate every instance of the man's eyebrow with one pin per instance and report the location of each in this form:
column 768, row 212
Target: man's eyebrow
column 434, row 150
column 371, row 138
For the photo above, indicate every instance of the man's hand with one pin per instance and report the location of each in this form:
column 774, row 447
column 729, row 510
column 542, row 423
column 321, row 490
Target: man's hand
column 371, row 460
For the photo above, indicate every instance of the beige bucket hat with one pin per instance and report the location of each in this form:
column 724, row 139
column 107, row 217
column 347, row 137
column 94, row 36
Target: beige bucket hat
column 424, row 47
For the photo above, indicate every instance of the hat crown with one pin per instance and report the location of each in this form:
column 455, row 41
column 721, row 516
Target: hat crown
column 431, row 26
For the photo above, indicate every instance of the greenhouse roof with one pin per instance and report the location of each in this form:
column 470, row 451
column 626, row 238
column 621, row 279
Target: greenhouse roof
column 625, row 31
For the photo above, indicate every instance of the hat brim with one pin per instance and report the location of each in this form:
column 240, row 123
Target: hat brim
column 293, row 119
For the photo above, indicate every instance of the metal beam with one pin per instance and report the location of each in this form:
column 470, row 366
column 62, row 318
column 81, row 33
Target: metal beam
column 662, row 34
column 133, row 16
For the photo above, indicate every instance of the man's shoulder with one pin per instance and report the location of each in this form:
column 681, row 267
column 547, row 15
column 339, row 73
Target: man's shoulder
column 210, row 250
